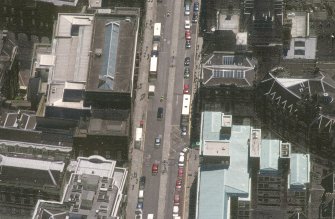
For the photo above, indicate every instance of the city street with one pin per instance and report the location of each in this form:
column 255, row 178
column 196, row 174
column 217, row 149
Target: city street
column 159, row 189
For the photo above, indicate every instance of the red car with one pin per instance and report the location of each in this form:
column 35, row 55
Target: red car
column 178, row 184
column 186, row 89
column 180, row 172
column 187, row 34
column 154, row 168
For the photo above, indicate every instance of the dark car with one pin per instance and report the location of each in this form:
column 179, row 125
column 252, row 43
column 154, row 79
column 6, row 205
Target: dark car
column 187, row 72
column 160, row 113
column 187, row 61
column 188, row 44
column 139, row 205
column 196, row 6
column 195, row 17
column 142, row 182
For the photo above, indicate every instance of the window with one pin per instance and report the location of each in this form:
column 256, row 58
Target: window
column 228, row 60
column 108, row 154
column 299, row 52
column 299, row 44
column 228, row 74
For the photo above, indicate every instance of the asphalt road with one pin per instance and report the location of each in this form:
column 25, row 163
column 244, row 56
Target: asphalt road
column 160, row 188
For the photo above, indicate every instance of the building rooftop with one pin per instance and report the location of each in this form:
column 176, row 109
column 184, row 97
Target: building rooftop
column 30, row 171
column 269, row 155
column 216, row 148
column 300, row 23
column 61, row 2
column 300, row 171
column 255, row 142
column 94, row 190
column 229, row 22
column 113, row 48
column 228, row 68
column 217, row 184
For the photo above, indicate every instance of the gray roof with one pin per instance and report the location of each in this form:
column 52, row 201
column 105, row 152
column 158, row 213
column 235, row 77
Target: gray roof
column 95, row 186
column 225, row 68
column 113, row 48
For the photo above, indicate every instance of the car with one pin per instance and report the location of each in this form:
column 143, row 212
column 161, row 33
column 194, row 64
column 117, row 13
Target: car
column 142, row 182
column 186, row 89
column 175, row 211
column 195, row 18
column 157, row 141
column 187, row 72
column 187, row 24
column 181, row 160
column 188, row 44
column 141, row 195
column 178, row 184
column 180, row 172
column 160, row 113
column 185, row 150
column 183, row 130
column 187, row 34
column 139, row 205
column 187, row 61
column 196, row 6
column 176, row 199
column 154, row 168
column 187, row 8
column 138, row 216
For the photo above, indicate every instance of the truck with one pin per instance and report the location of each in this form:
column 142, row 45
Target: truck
column 138, row 138
column 157, row 31
column 153, row 66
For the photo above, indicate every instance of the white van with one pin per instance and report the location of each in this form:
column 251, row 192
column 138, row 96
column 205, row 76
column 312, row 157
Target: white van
column 181, row 160
column 141, row 195
column 150, row 216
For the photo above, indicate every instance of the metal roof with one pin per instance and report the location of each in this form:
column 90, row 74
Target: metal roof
column 218, row 183
column 300, row 169
column 269, row 154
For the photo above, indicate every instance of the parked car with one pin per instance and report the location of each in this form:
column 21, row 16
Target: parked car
column 187, row 61
column 185, row 150
column 154, row 168
column 181, row 160
column 139, row 205
column 188, row 44
column 178, row 184
column 187, row 24
column 180, row 172
column 142, row 182
column 187, row 72
column 187, row 8
column 195, row 17
column 196, row 6
column 157, row 141
column 183, row 130
column 186, row 89
column 175, row 211
column 188, row 34
column 176, row 199
column 160, row 113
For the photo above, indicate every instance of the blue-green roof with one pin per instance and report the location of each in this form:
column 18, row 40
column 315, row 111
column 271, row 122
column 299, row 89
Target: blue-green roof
column 300, row 167
column 269, row 155
column 217, row 185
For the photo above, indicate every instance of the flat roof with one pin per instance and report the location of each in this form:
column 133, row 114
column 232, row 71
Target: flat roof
column 218, row 183
column 31, row 163
column 96, row 165
column 299, row 24
column 72, row 46
column 216, row 148
column 269, row 154
column 302, row 48
column 300, row 170
column 255, row 142
column 229, row 22
column 36, row 145
column 113, row 49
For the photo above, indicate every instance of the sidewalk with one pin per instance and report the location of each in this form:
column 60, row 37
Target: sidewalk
column 140, row 110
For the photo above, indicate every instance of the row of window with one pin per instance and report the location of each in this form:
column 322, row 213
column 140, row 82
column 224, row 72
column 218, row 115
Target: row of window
column 239, row 74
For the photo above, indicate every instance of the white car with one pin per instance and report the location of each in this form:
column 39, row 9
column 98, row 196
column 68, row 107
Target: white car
column 181, row 159
column 175, row 211
column 187, row 24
